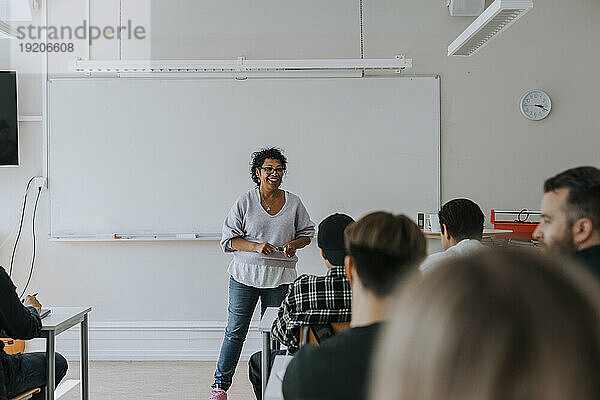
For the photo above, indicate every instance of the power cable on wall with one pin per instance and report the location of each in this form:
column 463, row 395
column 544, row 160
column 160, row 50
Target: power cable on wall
column 34, row 247
column 12, row 257
column 16, row 227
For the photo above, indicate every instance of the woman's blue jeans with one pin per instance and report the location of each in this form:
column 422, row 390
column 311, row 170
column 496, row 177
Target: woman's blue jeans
column 242, row 302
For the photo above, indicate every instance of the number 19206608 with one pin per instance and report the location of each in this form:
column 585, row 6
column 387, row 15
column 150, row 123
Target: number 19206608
column 46, row 47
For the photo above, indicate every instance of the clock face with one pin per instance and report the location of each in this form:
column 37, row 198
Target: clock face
column 535, row 105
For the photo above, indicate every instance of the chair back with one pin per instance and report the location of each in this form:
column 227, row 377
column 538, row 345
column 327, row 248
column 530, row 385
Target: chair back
column 307, row 335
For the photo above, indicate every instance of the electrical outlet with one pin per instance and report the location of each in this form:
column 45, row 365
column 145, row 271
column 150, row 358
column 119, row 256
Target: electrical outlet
column 40, row 182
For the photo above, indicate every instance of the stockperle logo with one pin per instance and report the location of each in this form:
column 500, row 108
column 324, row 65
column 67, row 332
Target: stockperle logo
column 82, row 31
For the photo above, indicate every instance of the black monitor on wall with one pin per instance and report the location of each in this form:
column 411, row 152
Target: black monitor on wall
column 9, row 126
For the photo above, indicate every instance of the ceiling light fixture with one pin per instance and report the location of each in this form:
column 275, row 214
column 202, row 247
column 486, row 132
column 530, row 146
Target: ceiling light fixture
column 495, row 19
column 7, row 31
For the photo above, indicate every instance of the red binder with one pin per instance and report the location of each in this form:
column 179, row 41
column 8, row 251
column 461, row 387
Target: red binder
column 522, row 229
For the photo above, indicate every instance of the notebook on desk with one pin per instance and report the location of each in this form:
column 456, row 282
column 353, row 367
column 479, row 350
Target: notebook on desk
column 44, row 313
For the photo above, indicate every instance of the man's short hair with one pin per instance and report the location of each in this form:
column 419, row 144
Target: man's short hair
column 463, row 219
column 583, row 199
column 383, row 247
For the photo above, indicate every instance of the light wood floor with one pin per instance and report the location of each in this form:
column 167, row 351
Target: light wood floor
column 125, row 380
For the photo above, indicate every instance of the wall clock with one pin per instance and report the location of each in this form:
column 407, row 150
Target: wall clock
column 535, row 105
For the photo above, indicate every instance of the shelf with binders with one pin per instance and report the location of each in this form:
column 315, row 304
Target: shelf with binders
column 522, row 223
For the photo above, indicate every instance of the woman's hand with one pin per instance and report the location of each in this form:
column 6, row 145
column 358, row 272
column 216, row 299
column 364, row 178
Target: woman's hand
column 265, row 248
column 289, row 250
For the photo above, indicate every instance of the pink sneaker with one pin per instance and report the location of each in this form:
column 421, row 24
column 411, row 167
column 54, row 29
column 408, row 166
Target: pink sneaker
column 218, row 394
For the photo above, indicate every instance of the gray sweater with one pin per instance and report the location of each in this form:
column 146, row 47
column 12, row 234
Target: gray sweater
column 248, row 220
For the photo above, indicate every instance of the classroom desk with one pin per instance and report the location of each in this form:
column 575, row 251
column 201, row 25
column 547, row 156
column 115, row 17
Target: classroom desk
column 274, row 389
column 266, row 322
column 59, row 320
column 486, row 233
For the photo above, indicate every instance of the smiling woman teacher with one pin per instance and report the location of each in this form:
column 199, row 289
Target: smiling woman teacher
column 263, row 230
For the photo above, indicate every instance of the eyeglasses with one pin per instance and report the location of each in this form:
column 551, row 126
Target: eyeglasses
column 270, row 170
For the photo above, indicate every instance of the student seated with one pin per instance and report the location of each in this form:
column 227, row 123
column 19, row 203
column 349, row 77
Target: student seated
column 22, row 372
column 570, row 216
column 381, row 248
column 461, row 225
column 507, row 325
column 312, row 299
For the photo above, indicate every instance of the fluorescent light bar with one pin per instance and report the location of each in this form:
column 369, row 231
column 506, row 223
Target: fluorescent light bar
column 240, row 65
column 496, row 18
column 7, row 31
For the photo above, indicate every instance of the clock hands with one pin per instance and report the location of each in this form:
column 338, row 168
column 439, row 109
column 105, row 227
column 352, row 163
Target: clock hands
column 540, row 106
column 535, row 105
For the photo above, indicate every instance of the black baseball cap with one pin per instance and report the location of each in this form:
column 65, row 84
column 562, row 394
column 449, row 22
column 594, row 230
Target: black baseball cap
column 330, row 237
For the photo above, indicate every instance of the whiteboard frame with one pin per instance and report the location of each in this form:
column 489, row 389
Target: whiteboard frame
column 199, row 236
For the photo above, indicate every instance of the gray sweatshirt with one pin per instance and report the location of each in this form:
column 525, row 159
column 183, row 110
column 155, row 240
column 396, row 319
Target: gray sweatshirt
column 248, row 220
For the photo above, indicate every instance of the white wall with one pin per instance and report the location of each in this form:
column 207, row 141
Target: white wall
column 489, row 151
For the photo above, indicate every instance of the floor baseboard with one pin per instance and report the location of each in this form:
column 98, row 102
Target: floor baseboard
column 150, row 341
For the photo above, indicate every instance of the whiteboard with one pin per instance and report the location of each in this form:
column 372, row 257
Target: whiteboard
column 164, row 156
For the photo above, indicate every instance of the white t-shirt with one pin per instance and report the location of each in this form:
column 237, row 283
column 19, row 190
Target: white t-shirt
column 462, row 248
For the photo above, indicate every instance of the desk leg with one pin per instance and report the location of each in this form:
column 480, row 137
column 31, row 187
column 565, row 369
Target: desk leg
column 50, row 365
column 85, row 382
column 265, row 364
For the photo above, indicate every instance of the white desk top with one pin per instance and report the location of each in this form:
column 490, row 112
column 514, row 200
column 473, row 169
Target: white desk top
column 63, row 318
column 274, row 389
column 268, row 318
column 486, row 232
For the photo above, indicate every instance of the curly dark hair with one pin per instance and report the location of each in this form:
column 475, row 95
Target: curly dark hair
column 259, row 157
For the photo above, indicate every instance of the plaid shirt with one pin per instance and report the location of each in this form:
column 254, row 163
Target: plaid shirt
column 313, row 300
